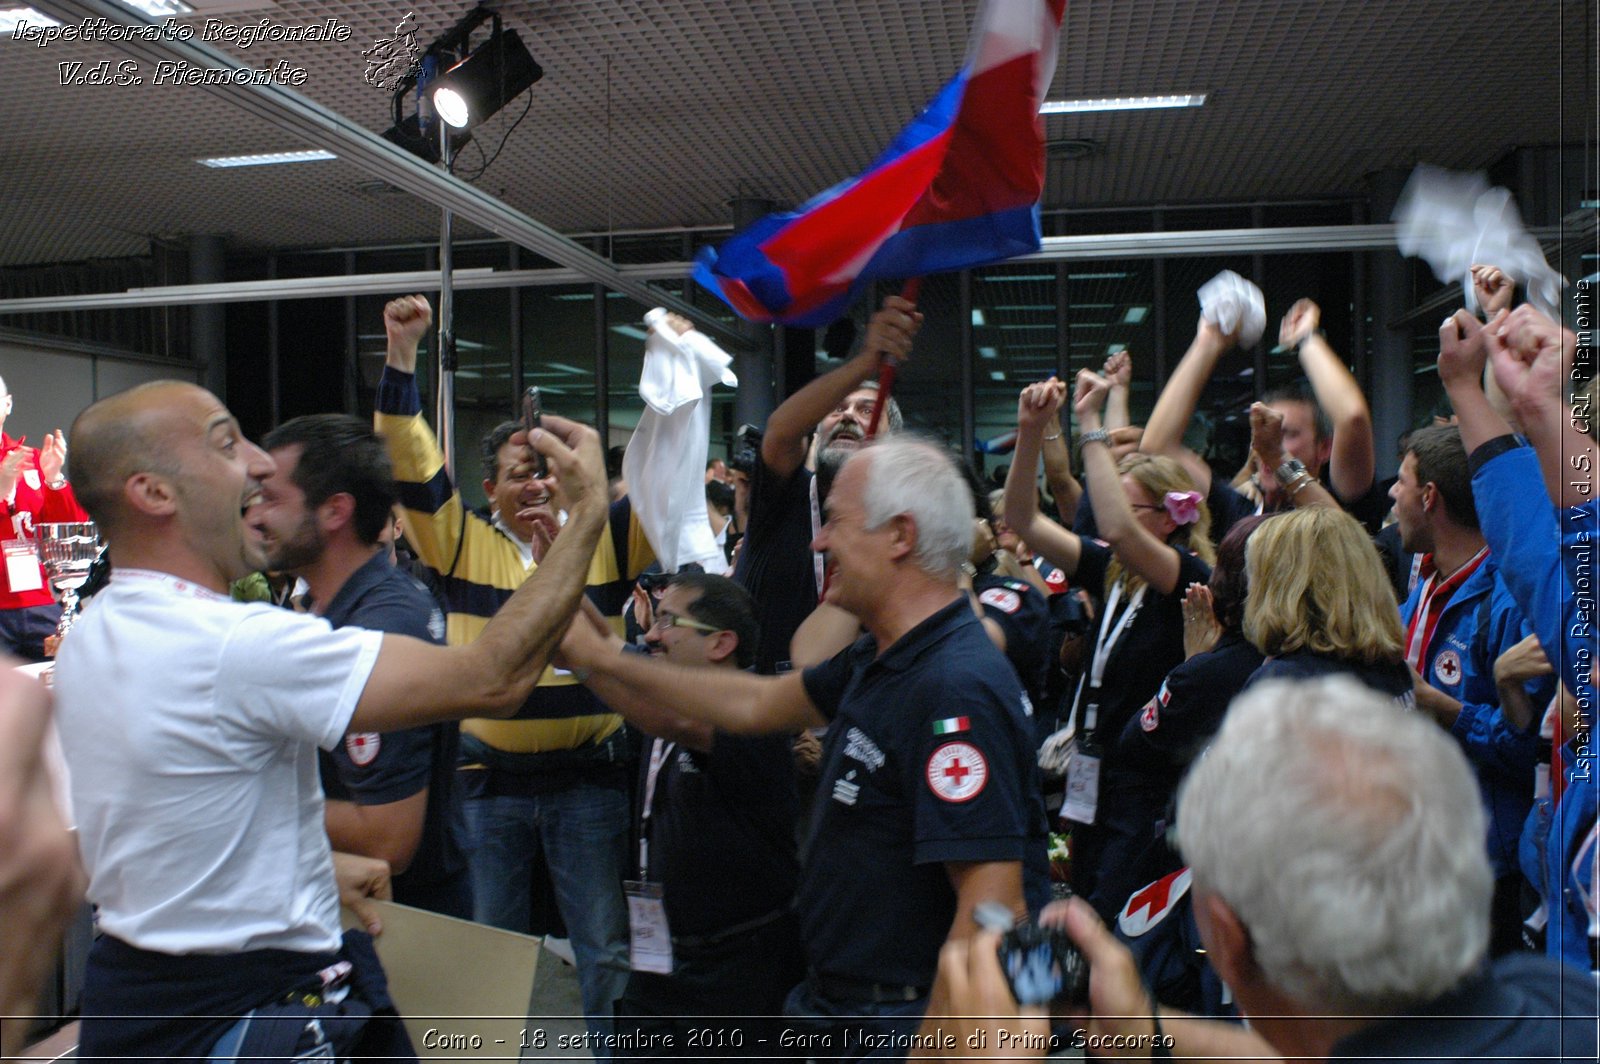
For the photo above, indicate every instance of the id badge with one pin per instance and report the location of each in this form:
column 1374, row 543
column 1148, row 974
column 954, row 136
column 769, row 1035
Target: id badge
column 1083, row 788
column 649, row 940
column 22, row 565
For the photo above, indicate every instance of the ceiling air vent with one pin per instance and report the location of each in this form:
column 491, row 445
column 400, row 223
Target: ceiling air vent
column 1073, row 148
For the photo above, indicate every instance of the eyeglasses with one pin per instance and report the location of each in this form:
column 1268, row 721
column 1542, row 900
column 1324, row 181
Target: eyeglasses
column 667, row 619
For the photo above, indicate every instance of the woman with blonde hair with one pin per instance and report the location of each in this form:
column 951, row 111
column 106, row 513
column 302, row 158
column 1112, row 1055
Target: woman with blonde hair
column 1320, row 602
column 1155, row 526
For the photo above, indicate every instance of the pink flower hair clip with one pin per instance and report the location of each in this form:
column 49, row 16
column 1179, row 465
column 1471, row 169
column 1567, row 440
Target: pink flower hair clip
column 1183, row 506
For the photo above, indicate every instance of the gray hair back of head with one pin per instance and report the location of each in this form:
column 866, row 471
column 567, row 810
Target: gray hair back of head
column 1348, row 835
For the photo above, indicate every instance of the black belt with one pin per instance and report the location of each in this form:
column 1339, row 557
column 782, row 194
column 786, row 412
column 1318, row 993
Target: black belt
column 696, row 942
column 841, row 989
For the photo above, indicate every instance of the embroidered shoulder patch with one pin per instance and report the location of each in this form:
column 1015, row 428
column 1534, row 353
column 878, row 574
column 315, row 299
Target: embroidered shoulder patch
column 957, row 772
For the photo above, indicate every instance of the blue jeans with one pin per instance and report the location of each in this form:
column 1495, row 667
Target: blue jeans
column 23, row 630
column 832, row 1028
column 583, row 832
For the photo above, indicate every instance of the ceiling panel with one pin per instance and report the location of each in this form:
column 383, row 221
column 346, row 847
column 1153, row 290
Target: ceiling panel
column 658, row 112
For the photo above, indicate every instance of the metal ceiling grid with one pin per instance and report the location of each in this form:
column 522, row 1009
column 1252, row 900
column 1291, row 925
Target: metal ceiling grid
column 709, row 99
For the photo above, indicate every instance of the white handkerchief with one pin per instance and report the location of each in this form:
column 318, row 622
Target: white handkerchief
column 666, row 458
column 1233, row 304
column 1454, row 221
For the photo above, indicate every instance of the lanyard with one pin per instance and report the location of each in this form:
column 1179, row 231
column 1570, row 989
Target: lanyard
column 1104, row 644
column 818, row 566
column 1435, row 596
column 1110, row 634
column 659, row 749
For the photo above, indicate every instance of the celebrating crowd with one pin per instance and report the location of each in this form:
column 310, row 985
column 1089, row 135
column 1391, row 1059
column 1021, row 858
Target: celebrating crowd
column 1304, row 815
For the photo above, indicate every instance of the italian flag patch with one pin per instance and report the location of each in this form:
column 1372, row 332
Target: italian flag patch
column 951, row 725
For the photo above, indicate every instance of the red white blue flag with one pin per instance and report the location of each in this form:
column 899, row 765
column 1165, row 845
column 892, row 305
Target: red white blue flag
column 958, row 188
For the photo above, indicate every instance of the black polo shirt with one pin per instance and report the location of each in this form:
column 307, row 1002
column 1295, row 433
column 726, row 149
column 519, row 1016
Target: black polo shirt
column 775, row 561
column 1164, row 737
column 372, row 769
column 929, row 759
column 1390, row 678
column 1149, row 647
column 1023, row 613
column 721, row 831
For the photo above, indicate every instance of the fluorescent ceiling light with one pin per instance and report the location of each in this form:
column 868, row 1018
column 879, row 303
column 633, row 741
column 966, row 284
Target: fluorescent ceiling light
column 1006, row 278
column 1114, row 348
column 1086, row 325
column 1026, row 328
column 223, row 162
column 10, row 16
column 159, row 8
column 1135, row 315
column 1026, row 306
column 988, row 352
column 633, row 332
column 1121, row 103
column 564, row 368
column 1098, row 277
column 977, row 317
column 997, row 375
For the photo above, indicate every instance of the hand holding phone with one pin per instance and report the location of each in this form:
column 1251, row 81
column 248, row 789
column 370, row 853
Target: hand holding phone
column 532, row 411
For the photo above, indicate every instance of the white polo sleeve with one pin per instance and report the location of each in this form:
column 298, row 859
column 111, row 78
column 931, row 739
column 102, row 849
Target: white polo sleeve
column 294, row 676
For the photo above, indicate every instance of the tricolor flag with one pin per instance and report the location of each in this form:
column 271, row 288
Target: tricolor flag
column 951, row 725
column 958, row 188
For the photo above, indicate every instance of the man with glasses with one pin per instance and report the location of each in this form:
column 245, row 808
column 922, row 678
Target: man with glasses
column 715, row 868
column 776, row 563
column 550, row 785
column 929, row 798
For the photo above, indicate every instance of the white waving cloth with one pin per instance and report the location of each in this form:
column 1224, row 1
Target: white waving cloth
column 1454, row 221
column 1233, row 304
column 665, row 464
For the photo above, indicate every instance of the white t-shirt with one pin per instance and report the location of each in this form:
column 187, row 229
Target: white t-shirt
column 190, row 725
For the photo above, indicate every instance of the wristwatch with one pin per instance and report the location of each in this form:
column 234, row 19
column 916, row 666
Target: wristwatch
column 1289, row 469
column 1094, row 436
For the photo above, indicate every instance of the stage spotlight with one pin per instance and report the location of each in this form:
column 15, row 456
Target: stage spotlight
column 495, row 73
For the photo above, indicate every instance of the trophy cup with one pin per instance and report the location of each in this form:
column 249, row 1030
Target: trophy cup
column 68, row 549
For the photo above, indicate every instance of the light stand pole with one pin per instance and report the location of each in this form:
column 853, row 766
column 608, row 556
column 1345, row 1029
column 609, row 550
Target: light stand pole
column 445, row 392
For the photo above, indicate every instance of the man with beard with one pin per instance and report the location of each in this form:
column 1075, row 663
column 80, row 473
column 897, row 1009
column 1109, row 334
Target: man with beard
column 322, row 517
column 776, row 563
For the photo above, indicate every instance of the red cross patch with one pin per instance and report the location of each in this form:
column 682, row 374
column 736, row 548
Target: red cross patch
column 1150, row 719
column 957, row 772
column 1056, row 578
column 1001, row 599
column 1447, row 666
column 363, row 746
column 1148, row 907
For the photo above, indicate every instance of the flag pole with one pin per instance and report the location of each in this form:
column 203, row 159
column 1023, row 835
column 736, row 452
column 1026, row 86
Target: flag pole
column 889, row 365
